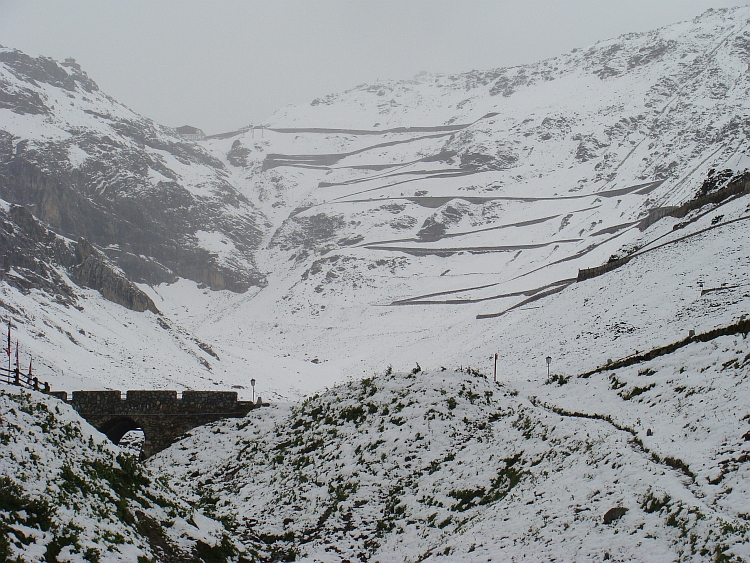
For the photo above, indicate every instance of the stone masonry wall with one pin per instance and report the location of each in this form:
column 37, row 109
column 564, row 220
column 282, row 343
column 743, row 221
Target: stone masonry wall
column 160, row 414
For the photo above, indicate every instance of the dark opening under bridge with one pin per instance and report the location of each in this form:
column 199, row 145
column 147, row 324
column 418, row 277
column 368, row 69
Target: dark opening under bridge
column 161, row 415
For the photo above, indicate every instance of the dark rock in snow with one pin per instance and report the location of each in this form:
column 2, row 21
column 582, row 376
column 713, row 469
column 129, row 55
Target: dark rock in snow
column 614, row 514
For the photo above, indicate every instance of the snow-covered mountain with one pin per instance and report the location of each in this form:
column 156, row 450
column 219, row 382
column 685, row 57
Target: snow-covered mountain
column 593, row 208
column 369, row 224
column 403, row 211
column 89, row 167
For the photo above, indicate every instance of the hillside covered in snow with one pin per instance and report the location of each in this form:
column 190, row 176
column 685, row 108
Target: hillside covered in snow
column 646, row 462
column 68, row 494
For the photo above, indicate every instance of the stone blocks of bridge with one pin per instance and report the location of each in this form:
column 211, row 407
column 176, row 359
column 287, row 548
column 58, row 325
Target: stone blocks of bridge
column 197, row 401
column 161, row 415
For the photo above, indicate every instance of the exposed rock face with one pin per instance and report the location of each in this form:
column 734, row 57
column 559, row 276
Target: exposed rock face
column 238, row 155
column 34, row 257
column 30, row 255
column 93, row 270
column 130, row 187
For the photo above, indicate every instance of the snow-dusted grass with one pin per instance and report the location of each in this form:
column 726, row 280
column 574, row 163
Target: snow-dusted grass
column 690, row 406
column 68, row 494
column 413, row 467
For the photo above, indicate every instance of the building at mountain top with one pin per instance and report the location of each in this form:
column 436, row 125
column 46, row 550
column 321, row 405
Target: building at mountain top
column 191, row 133
column 71, row 63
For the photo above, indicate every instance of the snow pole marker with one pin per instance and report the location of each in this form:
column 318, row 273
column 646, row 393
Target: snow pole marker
column 7, row 350
column 18, row 364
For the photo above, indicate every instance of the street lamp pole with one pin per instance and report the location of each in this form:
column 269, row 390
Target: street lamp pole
column 252, row 384
column 549, row 361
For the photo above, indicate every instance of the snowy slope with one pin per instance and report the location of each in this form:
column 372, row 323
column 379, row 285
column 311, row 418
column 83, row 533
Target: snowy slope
column 67, row 494
column 449, row 466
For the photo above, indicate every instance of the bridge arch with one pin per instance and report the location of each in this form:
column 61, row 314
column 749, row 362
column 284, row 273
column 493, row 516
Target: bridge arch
column 116, row 428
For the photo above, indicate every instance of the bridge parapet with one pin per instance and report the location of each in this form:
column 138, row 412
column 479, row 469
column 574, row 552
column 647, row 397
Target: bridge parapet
column 150, row 397
column 200, row 401
column 96, row 401
column 153, row 402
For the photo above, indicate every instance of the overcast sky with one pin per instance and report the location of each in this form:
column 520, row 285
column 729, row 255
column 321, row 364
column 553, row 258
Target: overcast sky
column 221, row 64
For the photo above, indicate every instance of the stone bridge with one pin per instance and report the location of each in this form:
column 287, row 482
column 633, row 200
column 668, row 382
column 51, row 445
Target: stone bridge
column 161, row 415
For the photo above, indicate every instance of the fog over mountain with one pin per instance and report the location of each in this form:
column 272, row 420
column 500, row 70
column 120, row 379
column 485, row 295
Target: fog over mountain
column 223, row 65
column 362, row 256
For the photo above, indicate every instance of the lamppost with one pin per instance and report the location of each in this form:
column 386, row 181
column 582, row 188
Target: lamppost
column 252, row 384
column 549, row 361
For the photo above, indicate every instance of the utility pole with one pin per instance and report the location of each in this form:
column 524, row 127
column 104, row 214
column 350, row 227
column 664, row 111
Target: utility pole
column 252, row 384
column 494, row 376
column 549, row 361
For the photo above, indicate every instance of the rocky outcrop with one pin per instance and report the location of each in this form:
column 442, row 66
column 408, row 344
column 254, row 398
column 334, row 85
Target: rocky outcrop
column 125, row 184
column 307, row 233
column 238, row 155
column 93, row 271
column 34, row 257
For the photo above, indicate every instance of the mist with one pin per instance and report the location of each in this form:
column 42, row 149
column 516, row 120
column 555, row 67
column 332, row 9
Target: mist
column 221, row 65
